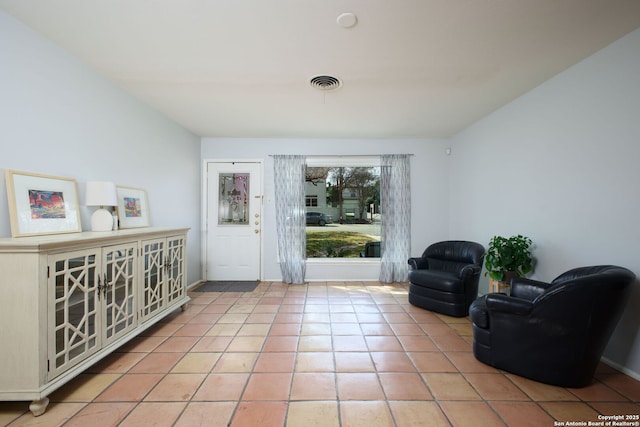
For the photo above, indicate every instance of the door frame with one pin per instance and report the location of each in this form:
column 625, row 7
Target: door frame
column 205, row 206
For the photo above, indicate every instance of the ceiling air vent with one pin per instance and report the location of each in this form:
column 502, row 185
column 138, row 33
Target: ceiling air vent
column 324, row 82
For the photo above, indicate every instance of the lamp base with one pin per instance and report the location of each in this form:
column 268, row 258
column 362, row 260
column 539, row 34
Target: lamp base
column 101, row 220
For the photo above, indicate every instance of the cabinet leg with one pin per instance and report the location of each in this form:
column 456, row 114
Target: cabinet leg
column 37, row 407
column 184, row 306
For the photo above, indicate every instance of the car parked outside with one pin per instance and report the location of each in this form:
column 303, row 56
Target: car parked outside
column 318, row 218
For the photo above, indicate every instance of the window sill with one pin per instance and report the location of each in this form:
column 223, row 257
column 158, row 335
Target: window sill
column 342, row 269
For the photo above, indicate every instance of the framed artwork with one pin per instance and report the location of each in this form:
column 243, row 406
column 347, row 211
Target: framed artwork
column 133, row 211
column 42, row 204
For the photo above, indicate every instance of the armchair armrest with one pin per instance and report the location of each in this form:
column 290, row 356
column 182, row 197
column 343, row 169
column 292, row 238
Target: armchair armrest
column 469, row 270
column 527, row 288
column 418, row 263
column 508, row 304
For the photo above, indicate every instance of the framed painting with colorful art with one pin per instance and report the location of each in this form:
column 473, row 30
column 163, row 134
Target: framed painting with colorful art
column 42, row 204
column 133, row 210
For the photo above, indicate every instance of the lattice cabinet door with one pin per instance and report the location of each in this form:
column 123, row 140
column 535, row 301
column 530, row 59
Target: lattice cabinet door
column 153, row 293
column 75, row 317
column 175, row 268
column 118, row 290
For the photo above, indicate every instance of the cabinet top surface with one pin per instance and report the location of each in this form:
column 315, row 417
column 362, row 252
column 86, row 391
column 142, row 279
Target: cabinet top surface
column 86, row 237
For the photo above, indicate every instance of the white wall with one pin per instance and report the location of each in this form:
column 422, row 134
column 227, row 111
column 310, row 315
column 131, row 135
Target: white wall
column 560, row 165
column 60, row 118
column 429, row 191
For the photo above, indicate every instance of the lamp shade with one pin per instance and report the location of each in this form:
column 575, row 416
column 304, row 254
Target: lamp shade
column 101, row 193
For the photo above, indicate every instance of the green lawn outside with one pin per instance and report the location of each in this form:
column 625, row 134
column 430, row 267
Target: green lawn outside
column 336, row 244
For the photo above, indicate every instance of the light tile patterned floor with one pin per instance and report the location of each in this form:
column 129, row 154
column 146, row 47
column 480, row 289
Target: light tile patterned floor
column 323, row 354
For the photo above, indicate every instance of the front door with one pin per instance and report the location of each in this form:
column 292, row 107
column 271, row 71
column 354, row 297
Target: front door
column 234, row 220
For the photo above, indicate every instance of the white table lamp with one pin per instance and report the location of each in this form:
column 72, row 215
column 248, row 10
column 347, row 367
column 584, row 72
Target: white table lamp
column 101, row 193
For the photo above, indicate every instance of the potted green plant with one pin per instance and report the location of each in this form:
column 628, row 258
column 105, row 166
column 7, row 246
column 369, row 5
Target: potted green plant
column 507, row 258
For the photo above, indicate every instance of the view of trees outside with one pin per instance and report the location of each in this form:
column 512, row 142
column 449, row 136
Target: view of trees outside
column 349, row 198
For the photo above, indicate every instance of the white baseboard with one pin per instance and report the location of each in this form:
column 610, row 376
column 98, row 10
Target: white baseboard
column 198, row 283
column 621, row 368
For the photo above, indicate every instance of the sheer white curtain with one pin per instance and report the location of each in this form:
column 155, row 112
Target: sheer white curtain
column 289, row 173
column 395, row 201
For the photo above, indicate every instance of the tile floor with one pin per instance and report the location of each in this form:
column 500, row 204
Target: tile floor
column 323, row 354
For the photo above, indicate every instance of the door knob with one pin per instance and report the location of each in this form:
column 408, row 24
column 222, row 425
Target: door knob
column 256, row 231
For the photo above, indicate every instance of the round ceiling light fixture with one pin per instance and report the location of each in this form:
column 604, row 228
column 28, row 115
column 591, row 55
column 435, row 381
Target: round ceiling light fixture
column 347, row 20
column 325, row 82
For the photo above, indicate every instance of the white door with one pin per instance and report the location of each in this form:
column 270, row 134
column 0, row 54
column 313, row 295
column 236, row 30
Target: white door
column 234, row 220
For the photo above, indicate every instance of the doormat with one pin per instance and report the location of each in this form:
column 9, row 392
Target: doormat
column 228, row 286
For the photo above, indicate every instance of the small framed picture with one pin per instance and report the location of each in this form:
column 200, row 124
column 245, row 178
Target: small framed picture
column 133, row 210
column 42, row 204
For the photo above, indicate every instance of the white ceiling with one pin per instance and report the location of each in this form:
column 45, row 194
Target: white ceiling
column 410, row 68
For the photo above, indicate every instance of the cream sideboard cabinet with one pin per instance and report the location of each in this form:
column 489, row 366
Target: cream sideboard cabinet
column 67, row 301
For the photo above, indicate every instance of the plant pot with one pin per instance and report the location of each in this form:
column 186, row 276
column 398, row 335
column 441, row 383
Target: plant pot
column 499, row 286
column 503, row 285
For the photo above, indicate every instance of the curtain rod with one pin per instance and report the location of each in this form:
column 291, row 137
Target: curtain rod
column 345, row 155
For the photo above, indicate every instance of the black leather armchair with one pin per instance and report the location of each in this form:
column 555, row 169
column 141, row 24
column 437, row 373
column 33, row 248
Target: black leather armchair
column 445, row 278
column 554, row 332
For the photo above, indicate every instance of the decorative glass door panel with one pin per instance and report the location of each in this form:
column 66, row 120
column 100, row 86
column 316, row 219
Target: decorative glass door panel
column 76, row 312
column 153, row 277
column 175, row 268
column 234, row 220
column 233, row 199
column 118, row 290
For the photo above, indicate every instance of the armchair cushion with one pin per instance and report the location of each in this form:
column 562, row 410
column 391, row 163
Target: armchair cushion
column 440, row 280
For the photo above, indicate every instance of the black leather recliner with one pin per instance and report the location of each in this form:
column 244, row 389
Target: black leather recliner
column 445, row 278
column 555, row 332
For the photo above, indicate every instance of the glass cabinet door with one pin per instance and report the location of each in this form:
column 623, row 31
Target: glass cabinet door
column 118, row 290
column 153, row 275
column 175, row 268
column 74, row 333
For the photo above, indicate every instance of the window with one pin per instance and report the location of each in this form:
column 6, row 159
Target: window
column 343, row 198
